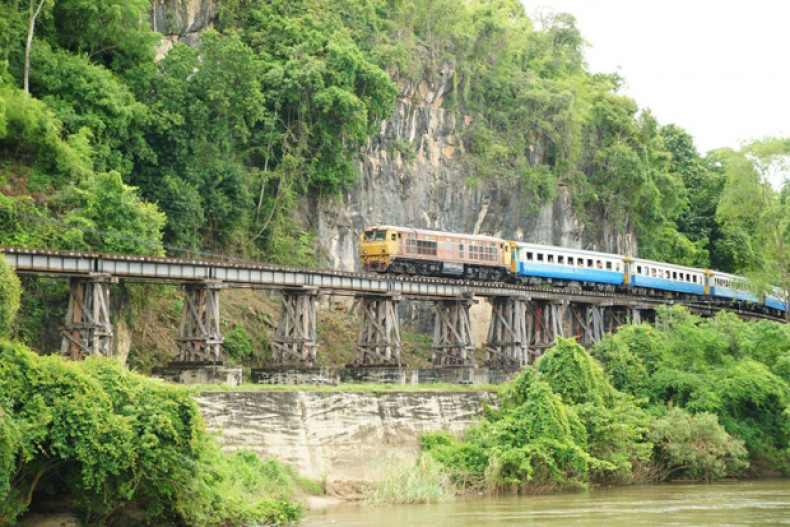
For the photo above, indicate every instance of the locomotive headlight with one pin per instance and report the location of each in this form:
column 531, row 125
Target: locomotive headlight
column 365, row 251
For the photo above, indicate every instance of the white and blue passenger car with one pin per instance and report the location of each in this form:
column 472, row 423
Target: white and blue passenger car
column 730, row 286
column 667, row 277
column 558, row 263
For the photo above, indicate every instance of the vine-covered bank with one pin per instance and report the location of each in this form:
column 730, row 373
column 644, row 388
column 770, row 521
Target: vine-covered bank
column 687, row 399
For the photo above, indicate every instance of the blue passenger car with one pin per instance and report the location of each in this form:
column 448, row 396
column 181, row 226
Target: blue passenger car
column 725, row 285
column 559, row 263
column 667, row 277
column 775, row 303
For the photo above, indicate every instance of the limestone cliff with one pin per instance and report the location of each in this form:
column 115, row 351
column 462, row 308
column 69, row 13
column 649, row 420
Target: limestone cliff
column 415, row 170
column 340, row 436
column 432, row 185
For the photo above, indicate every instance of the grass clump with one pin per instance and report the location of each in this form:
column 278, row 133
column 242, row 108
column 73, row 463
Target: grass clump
column 405, row 483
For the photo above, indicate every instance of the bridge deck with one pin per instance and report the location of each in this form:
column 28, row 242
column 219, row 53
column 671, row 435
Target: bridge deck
column 257, row 275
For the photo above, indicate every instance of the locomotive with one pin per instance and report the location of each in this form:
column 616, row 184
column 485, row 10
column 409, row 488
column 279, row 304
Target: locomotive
column 424, row 252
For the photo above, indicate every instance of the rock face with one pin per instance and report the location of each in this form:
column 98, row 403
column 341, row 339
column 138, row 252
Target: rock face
column 415, row 172
column 181, row 20
column 341, row 436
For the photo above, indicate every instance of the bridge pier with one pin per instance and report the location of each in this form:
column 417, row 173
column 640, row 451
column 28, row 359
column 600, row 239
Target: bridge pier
column 199, row 337
column 588, row 323
column 616, row 316
column 295, row 338
column 379, row 330
column 507, row 342
column 452, row 336
column 88, row 328
column 545, row 320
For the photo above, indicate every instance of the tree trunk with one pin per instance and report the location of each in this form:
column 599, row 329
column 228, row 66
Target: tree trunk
column 29, row 43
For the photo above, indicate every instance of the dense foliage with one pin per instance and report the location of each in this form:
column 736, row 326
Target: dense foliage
column 688, row 399
column 10, row 291
column 560, row 424
column 102, row 438
column 226, row 137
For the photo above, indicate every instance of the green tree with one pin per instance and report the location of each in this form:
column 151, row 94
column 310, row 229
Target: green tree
column 207, row 102
column 756, row 217
column 109, row 439
column 10, row 291
column 695, row 447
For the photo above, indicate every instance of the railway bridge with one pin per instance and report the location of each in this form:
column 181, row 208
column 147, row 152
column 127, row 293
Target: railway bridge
column 525, row 320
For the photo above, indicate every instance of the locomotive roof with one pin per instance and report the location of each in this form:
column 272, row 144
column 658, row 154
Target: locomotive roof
column 430, row 232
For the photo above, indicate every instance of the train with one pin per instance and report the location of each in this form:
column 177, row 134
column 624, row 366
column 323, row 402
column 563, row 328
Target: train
column 423, row 252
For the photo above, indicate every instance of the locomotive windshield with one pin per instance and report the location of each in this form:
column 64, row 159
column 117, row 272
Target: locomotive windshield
column 375, row 236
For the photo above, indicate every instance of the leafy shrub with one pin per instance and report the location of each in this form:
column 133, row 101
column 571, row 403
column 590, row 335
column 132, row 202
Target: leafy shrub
column 753, row 407
column 110, row 438
column 560, row 424
column 238, row 345
column 624, row 368
column 615, row 426
column 10, row 292
column 695, row 447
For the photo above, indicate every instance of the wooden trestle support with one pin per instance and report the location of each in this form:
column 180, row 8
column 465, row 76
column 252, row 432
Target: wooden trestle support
column 379, row 330
column 199, row 337
column 295, row 339
column 588, row 323
column 452, row 336
column 544, row 325
column 88, row 329
column 507, row 342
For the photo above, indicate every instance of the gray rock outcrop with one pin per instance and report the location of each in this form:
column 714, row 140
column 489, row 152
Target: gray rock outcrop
column 341, row 436
column 432, row 185
column 181, row 21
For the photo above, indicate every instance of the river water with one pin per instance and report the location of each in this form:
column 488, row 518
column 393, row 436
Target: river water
column 761, row 502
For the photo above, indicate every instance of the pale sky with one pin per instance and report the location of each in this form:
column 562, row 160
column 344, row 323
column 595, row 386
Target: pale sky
column 719, row 69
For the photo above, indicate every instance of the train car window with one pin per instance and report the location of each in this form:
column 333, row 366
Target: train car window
column 694, row 278
column 551, row 258
column 598, row 264
column 580, row 262
column 608, row 266
column 589, row 263
column 540, row 257
column 560, row 259
column 393, row 237
column 426, row 247
column 675, row 275
column 617, row 267
column 638, row 269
